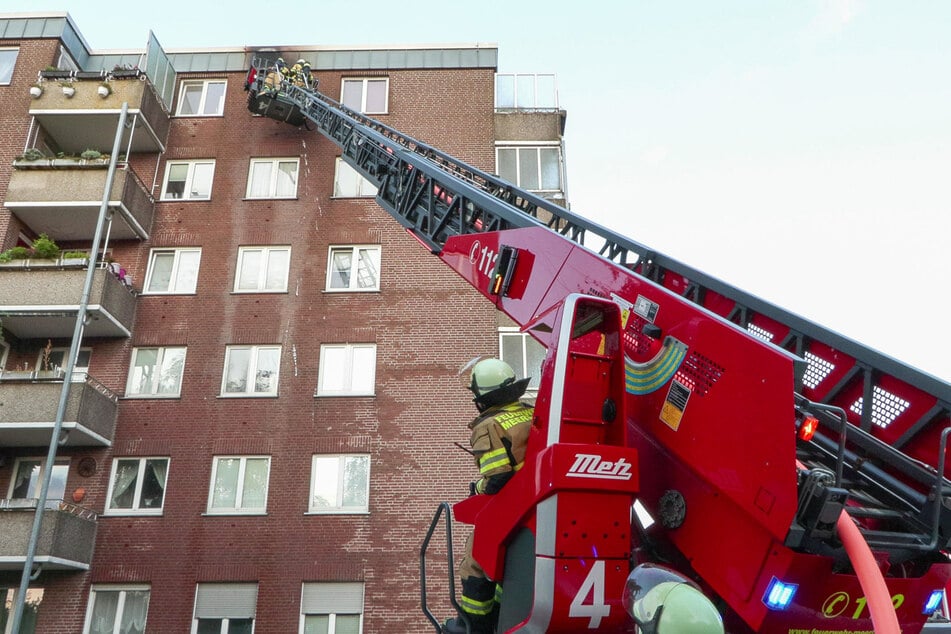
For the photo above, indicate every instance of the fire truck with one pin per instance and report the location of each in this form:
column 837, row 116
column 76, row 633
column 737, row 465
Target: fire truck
column 683, row 429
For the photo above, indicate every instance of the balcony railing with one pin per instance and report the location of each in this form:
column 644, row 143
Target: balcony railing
column 81, row 110
column 67, row 537
column 40, row 299
column 28, row 405
column 62, row 197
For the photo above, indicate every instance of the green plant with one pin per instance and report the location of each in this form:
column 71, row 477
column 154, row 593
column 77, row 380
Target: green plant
column 44, row 247
column 32, row 154
column 91, row 154
column 15, row 253
column 74, row 255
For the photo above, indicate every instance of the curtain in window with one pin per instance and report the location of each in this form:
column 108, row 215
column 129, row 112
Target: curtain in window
column 134, row 611
column 103, row 619
column 123, row 487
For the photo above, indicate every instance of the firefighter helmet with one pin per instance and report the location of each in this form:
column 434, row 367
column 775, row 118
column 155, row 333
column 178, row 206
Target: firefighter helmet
column 662, row 601
column 489, row 375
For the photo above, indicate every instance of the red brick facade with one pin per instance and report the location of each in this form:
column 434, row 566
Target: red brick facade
column 425, row 322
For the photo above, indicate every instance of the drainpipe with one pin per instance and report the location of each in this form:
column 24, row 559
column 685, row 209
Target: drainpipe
column 55, row 439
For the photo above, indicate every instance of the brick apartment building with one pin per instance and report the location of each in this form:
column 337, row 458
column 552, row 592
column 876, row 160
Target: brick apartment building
column 260, row 421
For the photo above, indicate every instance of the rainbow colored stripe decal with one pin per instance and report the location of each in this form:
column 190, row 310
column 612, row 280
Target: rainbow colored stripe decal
column 644, row 378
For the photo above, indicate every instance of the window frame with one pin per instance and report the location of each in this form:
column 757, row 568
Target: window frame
column 537, row 147
column 13, row 65
column 156, row 376
column 137, row 495
column 81, row 370
column 322, row 370
column 175, row 279
column 238, row 509
column 272, row 185
column 338, row 509
column 354, row 254
column 58, row 462
column 189, row 179
column 252, row 371
column 122, row 589
column 8, row 595
column 202, row 101
column 512, row 332
column 361, row 182
column 363, row 93
column 263, row 272
column 237, row 589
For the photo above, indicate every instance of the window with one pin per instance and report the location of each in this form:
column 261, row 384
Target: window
column 28, row 474
column 523, row 353
column 239, row 485
column 368, row 96
column 31, row 607
column 331, row 608
column 55, row 360
column 188, row 180
column 117, row 610
column 8, row 61
column 262, row 269
column 353, row 268
column 137, row 485
column 532, row 168
column 172, row 271
column 340, row 484
column 224, row 608
column 251, row 371
column 347, row 369
column 202, row 98
column 156, row 372
column 273, row 178
column 348, row 183
column 4, row 351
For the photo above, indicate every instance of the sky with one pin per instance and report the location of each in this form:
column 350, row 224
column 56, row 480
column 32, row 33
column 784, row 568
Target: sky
column 797, row 150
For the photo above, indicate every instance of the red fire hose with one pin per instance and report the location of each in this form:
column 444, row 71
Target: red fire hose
column 884, row 619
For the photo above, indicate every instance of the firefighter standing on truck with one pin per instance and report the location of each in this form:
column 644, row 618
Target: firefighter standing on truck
column 499, row 437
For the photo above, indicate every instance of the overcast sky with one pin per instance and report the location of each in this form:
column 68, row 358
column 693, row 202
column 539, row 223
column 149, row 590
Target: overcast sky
column 798, row 150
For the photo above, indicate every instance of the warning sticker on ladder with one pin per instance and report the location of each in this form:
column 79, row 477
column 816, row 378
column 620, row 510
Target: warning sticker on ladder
column 674, row 405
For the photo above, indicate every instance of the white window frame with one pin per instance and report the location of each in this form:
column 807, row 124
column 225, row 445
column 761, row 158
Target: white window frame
column 4, row 353
column 51, row 499
column 526, row 339
column 346, row 371
column 238, row 508
column 252, row 372
column 536, row 147
column 339, row 508
column 156, row 375
column 354, row 249
column 137, row 495
column 189, row 179
column 5, row 81
column 79, row 371
column 275, row 164
column 176, row 282
column 349, row 183
column 202, row 102
column 120, row 606
column 34, row 598
column 339, row 599
column 363, row 93
column 263, row 272
column 236, row 593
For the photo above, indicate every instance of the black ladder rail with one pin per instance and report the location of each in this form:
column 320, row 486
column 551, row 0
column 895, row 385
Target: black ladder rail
column 443, row 508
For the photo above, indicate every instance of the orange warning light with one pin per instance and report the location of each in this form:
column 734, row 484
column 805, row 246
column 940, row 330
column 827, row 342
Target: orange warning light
column 808, row 428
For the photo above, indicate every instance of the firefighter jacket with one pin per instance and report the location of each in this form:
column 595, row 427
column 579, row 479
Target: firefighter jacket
column 499, row 439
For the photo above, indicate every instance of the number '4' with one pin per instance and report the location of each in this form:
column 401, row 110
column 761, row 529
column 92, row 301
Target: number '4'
column 597, row 609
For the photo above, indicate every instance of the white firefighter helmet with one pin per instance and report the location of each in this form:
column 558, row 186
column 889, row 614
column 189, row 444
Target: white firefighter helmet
column 662, row 601
column 489, row 375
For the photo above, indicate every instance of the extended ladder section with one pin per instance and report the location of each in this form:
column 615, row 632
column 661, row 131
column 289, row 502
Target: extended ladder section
column 898, row 412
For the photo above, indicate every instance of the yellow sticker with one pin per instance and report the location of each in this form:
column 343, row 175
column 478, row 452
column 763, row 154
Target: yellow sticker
column 674, row 405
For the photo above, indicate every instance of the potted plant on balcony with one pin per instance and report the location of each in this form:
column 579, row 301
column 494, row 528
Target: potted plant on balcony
column 36, row 90
column 68, row 89
column 104, row 89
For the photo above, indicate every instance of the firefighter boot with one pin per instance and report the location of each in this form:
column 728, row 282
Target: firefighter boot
column 478, row 625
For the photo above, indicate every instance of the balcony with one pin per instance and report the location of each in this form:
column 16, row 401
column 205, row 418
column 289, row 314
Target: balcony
column 86, row 119
column 28, row 410
column 62, row 197
column 41, row 299
column 67, row 536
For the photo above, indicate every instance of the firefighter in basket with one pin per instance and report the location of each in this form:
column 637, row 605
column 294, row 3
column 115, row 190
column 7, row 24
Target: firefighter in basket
column 499, row 437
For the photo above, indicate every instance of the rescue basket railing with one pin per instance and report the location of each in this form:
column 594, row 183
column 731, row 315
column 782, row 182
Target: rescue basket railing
column 442, row 509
